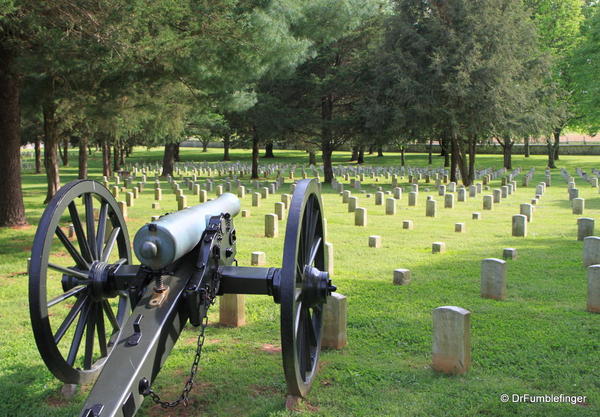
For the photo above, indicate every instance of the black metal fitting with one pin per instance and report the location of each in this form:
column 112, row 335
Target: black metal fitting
column 135, row 338
column 144, row 387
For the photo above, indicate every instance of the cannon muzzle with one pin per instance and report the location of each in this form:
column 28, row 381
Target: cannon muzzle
column 162, row 242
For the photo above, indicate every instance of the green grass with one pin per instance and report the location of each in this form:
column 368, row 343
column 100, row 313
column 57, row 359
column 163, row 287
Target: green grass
column 540, row 340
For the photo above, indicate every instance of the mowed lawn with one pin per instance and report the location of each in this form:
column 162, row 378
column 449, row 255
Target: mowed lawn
column 540, row 340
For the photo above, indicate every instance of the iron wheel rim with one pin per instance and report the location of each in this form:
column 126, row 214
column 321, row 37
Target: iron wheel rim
column 87, row 315
column 301, row 323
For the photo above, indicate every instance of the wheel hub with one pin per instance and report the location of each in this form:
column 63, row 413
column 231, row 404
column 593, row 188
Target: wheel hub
column 316, row 286
column 100, row 288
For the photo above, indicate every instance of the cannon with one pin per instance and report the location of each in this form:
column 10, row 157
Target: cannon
column 97, row 316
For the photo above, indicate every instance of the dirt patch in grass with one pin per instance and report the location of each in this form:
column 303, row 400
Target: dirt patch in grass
column 261, row 390
column 56, row 400
column 25, row 226
column 16, row 274
column 299, row 405
column 269, row 348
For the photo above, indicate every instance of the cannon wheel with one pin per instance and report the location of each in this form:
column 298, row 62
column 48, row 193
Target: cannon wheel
column 301, row 322
column 74, row 304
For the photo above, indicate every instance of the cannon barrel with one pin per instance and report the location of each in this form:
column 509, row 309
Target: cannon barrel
column 162, row 242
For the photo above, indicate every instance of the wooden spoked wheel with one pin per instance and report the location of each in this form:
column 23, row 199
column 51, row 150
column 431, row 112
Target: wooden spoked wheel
column 76, row 313
column 303, row 288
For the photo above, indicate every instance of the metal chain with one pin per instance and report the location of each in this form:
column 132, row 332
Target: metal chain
column 183, row 397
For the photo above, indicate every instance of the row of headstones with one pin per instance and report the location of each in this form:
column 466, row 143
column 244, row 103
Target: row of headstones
column 451, row 324
column 241, row 169
column 431, row 204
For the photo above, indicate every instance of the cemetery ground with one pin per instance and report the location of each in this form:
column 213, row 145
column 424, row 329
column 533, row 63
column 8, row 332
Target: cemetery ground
column 539, row 340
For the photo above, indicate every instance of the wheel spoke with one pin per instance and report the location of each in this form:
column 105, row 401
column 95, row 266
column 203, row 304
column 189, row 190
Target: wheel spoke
column 69, row 319
column 312, row 226
column 69, row 271
column 299, row 273
column 300, row 341
column 298, row 318
column 111, row 316
column 101, row 229
column 89, row 223
column 101, row 332
column 83, row 318
column 68, row 294
column 110, row 244
column 307, row 345
column 122, row 310
column 89, row 338
column 313, row 250
column 312, row 332
column 306, row 236
column 81, row 263
column 83, row 245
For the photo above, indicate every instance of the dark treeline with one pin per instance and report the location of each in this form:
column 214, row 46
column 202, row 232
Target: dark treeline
column 104, row 76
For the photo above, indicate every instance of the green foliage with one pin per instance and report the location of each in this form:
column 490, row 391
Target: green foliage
column 559, row 23
column 461, row 68
column 585, row 64
column 559, row 28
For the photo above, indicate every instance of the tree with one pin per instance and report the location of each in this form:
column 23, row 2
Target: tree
column 12, row 209
column 585, row 67
column 558, row 24
column 463, row 71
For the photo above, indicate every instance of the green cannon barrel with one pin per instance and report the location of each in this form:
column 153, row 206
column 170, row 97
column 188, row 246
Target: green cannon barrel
column 167, row 239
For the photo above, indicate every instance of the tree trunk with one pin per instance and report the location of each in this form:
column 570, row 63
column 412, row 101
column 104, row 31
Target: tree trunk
column 255, row 150
column 326, row 138
column 105, row 157
column 453, row 158
column 128, row 150
column 551, row 163
column 116, row 157
column 168, row 159
column 51, row 150
column 38, row 154
column 380, row 151
column 205, row 145
column 526, row 147
column 269, row 150
column 312, row 158
column 444, row 146
column 361, row 155
column 326, row 154
column 557, row 132
column 83, row 158
column 226, row 145
column 472, row 154
column 65, row 152
column 12, row 209
column 122, row 151
column 402, row 160
column 462, row 162
column 429, row 156
column 445, row 151
column 507, row 153
column 176, row 152
column 354, row 155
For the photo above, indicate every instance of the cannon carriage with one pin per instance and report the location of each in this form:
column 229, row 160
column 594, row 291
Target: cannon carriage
column 119, row 320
